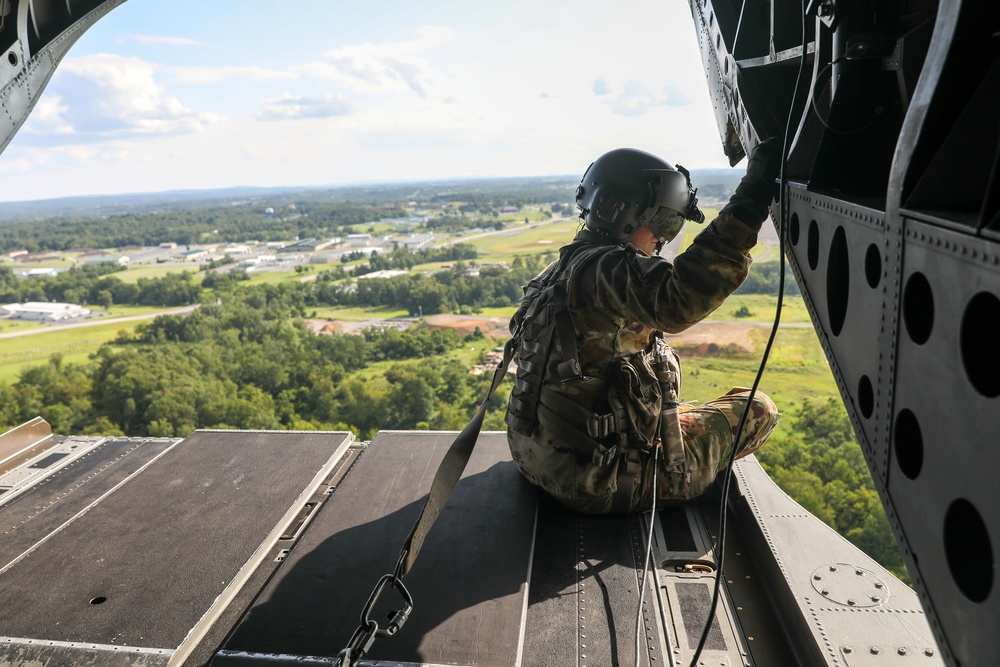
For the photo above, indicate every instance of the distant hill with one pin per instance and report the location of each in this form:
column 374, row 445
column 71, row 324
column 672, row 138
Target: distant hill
column 713, row 185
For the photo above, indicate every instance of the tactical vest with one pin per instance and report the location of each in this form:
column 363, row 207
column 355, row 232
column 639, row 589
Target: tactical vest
column 634, row 404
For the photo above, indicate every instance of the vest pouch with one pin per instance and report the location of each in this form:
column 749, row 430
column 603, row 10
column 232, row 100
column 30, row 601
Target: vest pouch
column 636, row 398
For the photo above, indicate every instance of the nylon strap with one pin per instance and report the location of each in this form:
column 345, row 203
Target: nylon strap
column 457, row 456
column 451, row 469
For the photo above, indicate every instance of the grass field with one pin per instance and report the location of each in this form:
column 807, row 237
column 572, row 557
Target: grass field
column 75, row 345
column 273, row 277
column 762, row 307
column 796, row 371
column 522, row 240
column 134, row 273
column 359, row 314
column 17, row 325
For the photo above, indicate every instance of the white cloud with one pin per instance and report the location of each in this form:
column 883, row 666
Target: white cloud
column 674, row 97
column 47, row 117
column 169, row 41
column 389, row 67
column 102, row 96
column 212, row 75
column 636, row 99
column 601, row 87
column 290, row 107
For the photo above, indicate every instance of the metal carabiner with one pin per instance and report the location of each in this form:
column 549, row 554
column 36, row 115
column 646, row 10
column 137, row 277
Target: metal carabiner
column 399, row 617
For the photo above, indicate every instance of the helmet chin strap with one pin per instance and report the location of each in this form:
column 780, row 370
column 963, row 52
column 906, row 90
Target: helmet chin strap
column 659, row 246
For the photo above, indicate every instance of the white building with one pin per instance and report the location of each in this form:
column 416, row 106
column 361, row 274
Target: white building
column 385, row 273
column 193, row 255
column 359, row 240
column 44, row 312
column 120, row 260
column 417, row 241
column 39, row 273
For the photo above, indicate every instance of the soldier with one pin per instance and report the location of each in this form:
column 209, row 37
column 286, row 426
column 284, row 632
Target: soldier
column 597, row 387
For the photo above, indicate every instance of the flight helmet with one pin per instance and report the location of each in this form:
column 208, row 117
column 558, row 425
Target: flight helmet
column 627, row 188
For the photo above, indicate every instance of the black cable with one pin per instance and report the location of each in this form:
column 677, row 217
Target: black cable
column 782, row 232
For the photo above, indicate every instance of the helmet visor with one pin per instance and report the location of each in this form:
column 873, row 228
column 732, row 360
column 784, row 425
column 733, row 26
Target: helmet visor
column 666, row 223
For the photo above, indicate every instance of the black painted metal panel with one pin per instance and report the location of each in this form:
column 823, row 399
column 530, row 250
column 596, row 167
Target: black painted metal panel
column 469, row 584
column 847, row 259
column 143, row 566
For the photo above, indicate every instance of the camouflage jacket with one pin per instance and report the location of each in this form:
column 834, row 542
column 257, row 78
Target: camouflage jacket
column 619, row 300
column 625, row 296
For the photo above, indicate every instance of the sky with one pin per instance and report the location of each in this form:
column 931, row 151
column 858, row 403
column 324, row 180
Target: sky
column 191, row 94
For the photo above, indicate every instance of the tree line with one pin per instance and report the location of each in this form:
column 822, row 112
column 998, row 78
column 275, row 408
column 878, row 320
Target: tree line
column 98, row 285
column 191, row 226
column 404, row 258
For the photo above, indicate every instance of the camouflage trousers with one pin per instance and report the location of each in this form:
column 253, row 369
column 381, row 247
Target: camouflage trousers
column 708, row 431
column 709, row 434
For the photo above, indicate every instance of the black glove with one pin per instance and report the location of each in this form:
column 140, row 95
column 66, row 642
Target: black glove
column 754, row 193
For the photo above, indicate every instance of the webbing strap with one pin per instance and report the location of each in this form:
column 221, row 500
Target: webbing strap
column 569, row 368
column 445, row 479
column 628, row 473
column 457, row 456
column 451, row 469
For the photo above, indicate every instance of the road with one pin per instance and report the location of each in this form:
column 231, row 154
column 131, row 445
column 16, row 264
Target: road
column 96, row 321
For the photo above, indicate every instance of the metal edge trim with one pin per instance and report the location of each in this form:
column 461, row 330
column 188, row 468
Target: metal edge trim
column 22, row 641
column 527, row 589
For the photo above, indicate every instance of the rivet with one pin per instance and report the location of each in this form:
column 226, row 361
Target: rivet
column 873, row 650
column 848, row 649
column 901, row 651
column 851, row 601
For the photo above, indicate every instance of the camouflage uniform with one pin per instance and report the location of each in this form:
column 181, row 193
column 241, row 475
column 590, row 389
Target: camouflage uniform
column 619, row 300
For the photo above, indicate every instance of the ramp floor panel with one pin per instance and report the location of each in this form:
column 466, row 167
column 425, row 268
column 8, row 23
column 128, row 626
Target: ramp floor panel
column 468, row 585
column 143, row 566
column 585, row 592
column 41, row 509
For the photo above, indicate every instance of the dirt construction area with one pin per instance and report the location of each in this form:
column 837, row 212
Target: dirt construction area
column 704, row 339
